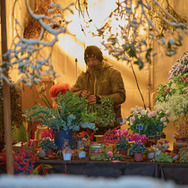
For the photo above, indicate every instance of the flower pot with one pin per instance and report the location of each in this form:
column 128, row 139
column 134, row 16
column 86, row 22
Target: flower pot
column 67, row 156
column 138, row 157
column 62, row 135
column 123, row 151
column 82, row 154
column 157, row 153
column 151, row 155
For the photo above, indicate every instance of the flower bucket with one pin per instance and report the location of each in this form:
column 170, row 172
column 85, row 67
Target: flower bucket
column 62, row 135
column 138, row 157
column 67, row 156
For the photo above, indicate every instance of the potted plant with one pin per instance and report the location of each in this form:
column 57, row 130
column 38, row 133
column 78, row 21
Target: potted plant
column 137, row 147
column 69, row 116
column 151, row 153
column 122, row 144
column 47, row 142
column 147, row 122
column 67, row 151
column 173, row 96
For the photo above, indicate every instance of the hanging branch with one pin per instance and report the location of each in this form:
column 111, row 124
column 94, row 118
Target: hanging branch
column 121, row 33
column 25, row 54
column 138, row 86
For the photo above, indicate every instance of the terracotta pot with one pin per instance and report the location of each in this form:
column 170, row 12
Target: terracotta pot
column 138, row 157
column 123, row 151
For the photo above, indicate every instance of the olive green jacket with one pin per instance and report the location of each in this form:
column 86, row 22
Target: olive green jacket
column 103, row 81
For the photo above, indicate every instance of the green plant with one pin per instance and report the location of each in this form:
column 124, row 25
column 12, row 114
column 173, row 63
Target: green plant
column 137, row 148
column 70, row 114
column 173, row 95
column 122, row 144
column 105, row 112
column 163, row 158
column 16, row 110
column 48, row 144
column 147, row 122
column 183, row 154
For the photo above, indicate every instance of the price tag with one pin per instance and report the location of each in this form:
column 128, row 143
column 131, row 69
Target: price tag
column 139, row 127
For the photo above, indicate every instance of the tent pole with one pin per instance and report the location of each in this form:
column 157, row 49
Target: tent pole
column 6, row 95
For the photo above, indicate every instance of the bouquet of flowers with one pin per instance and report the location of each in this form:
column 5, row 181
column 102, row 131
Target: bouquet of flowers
column 146, row 121
column 47, row 141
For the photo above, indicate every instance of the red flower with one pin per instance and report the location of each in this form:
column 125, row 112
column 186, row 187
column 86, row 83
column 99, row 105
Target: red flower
column 59, row 88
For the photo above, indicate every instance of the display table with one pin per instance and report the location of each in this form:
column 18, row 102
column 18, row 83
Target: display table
column 167, row 171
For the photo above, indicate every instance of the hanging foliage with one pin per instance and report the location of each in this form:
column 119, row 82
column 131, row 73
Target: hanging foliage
column 131, row 28
column 25, row 54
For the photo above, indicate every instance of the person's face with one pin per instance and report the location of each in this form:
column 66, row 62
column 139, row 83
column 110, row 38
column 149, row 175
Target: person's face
column 92, row 62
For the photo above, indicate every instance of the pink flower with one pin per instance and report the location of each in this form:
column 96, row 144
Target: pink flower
column 132, row 119
column 168, row 112
column 143, row 112
column 110, row 154
column 183, row 77
column 163, row 119
column 150, row 115
column 154, row 113
column 135, row 113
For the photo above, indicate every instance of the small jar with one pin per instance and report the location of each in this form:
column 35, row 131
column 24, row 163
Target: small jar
column 97, row 151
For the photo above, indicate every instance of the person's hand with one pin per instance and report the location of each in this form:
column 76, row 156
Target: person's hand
column 85, row 94
column 92, row 99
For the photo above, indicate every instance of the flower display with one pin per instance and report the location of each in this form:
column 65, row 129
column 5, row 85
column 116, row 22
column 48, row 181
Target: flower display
column 47, row 141
column 23, row 160
column 111, row 136
column 146, row 121
column 173, row 95
column 70, row 114
column 180, row 67
column 138, row 139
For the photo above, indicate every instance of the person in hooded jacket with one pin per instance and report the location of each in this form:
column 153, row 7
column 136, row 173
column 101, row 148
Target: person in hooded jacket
column 100, row 80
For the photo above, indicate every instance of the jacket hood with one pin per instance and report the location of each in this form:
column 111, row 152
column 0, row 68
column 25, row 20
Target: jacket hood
column 102, row 66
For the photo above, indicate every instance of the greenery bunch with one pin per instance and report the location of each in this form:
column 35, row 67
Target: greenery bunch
column 137, row 148
column 122, row 144
column 48, row 143
column 70, row 114
column 163, row 158
column 183, row 155
column 104, row 111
